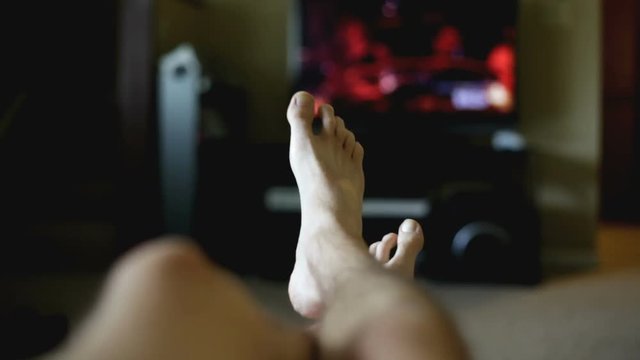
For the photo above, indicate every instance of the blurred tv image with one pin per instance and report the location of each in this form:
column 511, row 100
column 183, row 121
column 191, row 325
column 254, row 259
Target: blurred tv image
column 411, row 57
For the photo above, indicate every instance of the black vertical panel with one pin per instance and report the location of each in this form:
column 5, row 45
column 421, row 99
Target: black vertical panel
column 58, row 134
column 59, row 154
column 636, row 142
column 138, row 184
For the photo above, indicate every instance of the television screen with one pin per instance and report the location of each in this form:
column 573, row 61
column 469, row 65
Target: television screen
column 411, row 59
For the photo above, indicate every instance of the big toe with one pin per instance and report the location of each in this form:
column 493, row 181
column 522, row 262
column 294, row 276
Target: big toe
column 301, row 111
column 410, row 242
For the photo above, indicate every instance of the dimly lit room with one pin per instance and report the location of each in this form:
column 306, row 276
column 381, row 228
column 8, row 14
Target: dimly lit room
column 155, row 147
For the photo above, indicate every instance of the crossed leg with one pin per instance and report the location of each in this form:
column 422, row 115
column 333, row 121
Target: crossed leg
column 328, row 170
column 165, row 300
column 363, row 308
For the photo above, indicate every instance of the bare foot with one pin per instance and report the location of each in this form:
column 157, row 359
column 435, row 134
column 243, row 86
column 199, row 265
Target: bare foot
column 327, row 166
column 408, row 243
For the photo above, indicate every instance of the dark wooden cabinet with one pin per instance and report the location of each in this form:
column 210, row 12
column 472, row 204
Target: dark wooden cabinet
column 77, row 172
column 620, row 166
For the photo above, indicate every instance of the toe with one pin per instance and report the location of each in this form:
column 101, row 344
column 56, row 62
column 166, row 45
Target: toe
column 341, row 130
column 410, row 241
column 329, row 121
column 340, row 126
column 383, row 252
column 373, row 247
column 349, row 143
column 358, row 153
column 300, row 111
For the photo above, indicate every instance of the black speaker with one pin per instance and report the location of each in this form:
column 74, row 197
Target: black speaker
column 481, row 234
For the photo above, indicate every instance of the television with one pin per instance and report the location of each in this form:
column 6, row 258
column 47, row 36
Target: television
column 399, row 63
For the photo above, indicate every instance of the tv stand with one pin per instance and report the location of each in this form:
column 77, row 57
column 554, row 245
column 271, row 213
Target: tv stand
column 471, row 199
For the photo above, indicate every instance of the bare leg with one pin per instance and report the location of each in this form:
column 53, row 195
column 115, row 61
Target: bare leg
column 365, row 309
column 165, row 300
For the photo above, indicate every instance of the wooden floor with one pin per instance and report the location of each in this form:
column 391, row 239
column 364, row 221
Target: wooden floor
column 618, row 246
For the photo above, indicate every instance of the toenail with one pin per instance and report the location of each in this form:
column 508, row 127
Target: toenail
column 409, row 226
column 328, row 108
column 303, row 99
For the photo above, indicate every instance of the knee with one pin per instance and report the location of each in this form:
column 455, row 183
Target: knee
column 158, row 261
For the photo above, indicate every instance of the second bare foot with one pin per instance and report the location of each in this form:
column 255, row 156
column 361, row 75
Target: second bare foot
column 408, row 242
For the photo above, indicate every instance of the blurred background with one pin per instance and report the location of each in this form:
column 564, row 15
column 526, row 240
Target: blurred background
column 124, row 120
